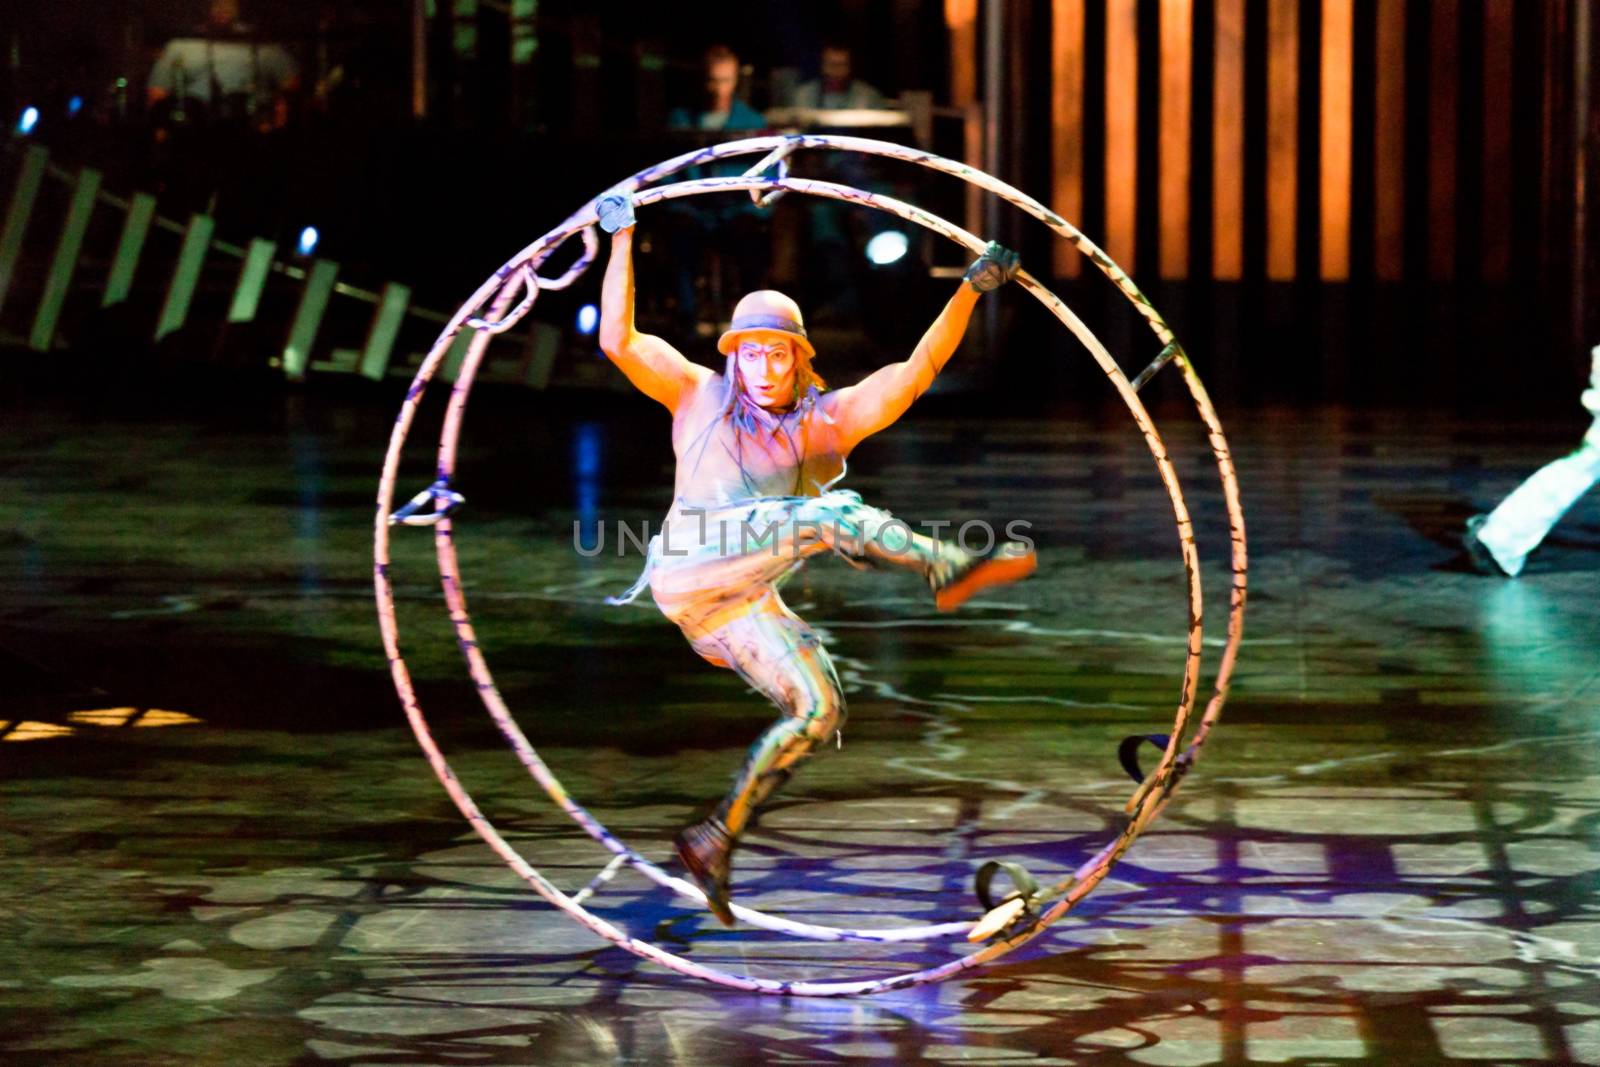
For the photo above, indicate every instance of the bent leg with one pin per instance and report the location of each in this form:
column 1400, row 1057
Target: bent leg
column 782, row 658
column 955, row 573
column 839, row 521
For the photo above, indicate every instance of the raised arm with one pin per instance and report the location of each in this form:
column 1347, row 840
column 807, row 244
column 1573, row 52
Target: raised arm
column 656, row 369
column 875, row 402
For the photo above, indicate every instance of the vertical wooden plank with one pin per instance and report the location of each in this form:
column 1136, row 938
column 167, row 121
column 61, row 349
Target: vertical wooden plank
column 1177, row 42
column 1066, row 127
column 1283, row 133
column 1443, row 63
column 1227, row 140
column 1389, row 142
column 386, row 321
column 308, row 318
column 29, row 176
column 1337, row 79
column 130, row 245
column 1122, row 122
column 252, row 280
column 522, row 15
column 1550, row 114
column 65, row 262
column 185, row 275
column 961, row 18
column 1584, row 160
column 1497, row 50
column 972, row 141
column 419, row 58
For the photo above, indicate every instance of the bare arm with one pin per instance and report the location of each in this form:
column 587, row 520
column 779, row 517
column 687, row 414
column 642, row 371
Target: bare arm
column 880, row 398
column 656, row 369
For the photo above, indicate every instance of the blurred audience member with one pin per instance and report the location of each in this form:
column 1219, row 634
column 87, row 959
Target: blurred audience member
column 837, row 88
column 721, row 109
column 719, row 241
column 834, row 232
column 223, row 74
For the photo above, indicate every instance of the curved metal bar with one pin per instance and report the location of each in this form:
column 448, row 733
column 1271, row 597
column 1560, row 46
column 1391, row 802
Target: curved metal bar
column 1160, row 785
column 591, row 248
column 483, row 677
column 529, row 281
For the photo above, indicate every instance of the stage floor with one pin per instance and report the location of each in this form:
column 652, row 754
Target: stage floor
column 219, row 843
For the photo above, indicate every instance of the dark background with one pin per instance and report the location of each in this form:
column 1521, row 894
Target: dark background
column 439, row 202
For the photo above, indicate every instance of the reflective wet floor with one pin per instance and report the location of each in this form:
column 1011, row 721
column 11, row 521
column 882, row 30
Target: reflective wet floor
column 219, row 842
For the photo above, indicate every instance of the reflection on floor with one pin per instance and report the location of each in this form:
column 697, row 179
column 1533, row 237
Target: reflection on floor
column 1390, row 853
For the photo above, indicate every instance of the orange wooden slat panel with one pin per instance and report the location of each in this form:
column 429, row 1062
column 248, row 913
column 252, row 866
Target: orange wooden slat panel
column 1122, row 128
column 1283, row 132
column 1177, row 42
column 1227, row 137
column 1389, row 147
column 1066, row 126
column 1497, row 204
column 1338, row 29
column 1443, row 52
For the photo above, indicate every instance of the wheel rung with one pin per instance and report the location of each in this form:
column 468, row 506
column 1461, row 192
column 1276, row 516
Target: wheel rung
column 608, row 872
column 1155, row 366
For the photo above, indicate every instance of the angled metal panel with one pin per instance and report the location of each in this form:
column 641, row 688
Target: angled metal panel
column 65, row 261
column 135, row 228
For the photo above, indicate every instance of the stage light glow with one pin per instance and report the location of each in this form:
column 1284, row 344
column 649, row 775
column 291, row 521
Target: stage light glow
column 588, row 319
column 29, row 119
column 308, row 240
column 887, row 247
column 74, row 105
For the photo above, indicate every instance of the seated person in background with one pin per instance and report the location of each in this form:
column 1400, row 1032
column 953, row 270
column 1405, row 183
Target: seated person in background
column 833, row 233
column 224, row 74
column 837, row 88
column 713, row 237
column 721, row 108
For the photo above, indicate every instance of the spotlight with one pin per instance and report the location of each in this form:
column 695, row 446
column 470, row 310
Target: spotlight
column 887, row 247
column 29, row 119
column 308, row 240
column 588, row 319
column 74, row 105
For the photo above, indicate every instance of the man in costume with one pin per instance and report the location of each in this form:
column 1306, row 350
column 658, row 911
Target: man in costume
column 759, row 449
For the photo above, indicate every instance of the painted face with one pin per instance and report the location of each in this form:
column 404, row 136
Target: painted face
column 722, row 76
column 767, row 368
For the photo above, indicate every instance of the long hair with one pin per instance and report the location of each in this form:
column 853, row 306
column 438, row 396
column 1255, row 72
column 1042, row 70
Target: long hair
column 805, row 376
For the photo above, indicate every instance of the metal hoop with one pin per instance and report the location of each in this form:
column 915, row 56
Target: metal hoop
column 1146, row 803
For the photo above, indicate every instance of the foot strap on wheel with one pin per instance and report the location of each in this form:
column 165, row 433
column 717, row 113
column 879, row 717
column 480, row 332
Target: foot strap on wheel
column 1128, row 752
column 412, row 514
column 1010, row 912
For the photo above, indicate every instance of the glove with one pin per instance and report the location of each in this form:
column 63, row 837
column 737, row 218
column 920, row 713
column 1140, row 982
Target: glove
column 993, row 269
column 615, row 210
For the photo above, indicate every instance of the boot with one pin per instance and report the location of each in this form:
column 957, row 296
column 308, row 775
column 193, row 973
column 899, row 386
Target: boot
column 706, row 850
column 955, row 583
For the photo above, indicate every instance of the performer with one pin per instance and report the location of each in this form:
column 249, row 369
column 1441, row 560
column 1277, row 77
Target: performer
column 759, row 449
column 1499, row 543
